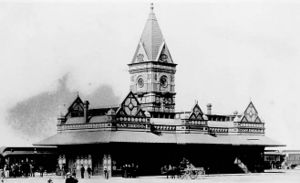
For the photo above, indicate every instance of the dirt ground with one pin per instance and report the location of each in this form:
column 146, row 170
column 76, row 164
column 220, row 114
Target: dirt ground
column 291, row 176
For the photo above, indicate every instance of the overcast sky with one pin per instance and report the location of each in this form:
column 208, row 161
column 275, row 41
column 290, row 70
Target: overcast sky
column 228, row 53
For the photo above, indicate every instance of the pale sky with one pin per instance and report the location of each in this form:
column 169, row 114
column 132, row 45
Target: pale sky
column 228, row 53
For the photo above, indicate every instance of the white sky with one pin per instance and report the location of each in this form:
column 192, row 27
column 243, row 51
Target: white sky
column 227, row 52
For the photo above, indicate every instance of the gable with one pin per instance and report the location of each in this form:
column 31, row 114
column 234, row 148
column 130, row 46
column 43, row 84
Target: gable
column 251, row 113
column 164, row 54
column 244, row 119
column 196, row 113
column 140, row 113
column 257, row 120
column 76, row 109
column 130, row 107
column 140, row 54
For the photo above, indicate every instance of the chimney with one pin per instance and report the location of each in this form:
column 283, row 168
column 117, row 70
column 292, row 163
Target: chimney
column 86, row 109
column 209, row 108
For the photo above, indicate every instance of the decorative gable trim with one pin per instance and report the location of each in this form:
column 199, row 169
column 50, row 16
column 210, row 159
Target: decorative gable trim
column 164, row 54
column 257, row 120
column 141, row 113
column 244, row 119
column 76, row 108
column 250, row 105
column 76, row 101
column 251, row 113
column 196, row 113
column 140, row 54
column 130, row 107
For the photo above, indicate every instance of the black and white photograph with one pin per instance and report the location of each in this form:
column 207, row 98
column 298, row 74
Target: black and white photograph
column 149, row 91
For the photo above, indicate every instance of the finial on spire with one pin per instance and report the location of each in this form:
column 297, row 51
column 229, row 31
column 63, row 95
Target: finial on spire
column 151, row 6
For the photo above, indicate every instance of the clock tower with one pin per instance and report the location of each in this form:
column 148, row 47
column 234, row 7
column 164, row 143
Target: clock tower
column 152, row 72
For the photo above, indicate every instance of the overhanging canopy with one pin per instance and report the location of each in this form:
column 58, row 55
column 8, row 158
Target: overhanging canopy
column 99, row 137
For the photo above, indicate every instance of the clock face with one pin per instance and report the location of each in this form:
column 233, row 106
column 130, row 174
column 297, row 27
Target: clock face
column 140, row 82
column 163, row 81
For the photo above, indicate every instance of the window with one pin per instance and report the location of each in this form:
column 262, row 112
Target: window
column 77, row 111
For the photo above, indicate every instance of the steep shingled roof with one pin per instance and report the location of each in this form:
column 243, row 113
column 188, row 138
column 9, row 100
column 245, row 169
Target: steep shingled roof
column 152, row 42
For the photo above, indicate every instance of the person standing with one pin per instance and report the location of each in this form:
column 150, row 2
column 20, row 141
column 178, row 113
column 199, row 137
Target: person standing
column 31, row 171
column 105, row 173
column 41, row 169
column 89, row 171
column 6, row 171
column 82, row 170
column 125, row 170
column 2, row 174
column 74, row 170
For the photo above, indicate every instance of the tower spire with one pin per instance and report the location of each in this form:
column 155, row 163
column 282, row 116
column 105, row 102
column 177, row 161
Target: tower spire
column 152, row 45
column 152, row 71
column 151, row 7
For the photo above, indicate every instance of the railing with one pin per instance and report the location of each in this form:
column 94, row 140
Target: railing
column 251, row 125
column 132, row 119
column 83, row 126
column 123, row 123
column 217, row 130
column 196, row 123
column 165, row 127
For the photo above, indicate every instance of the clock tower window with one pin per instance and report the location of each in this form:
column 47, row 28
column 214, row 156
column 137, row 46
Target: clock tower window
column 163, row 81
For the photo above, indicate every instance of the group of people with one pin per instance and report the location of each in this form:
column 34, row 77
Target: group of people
column 130, row 170
column 22, row 169
column 88, row 169
column 169, row 171
column 71, row 178
column 82, row 169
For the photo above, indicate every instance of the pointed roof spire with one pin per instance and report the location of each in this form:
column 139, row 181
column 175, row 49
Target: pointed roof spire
column 151, row 14
column 152, row 44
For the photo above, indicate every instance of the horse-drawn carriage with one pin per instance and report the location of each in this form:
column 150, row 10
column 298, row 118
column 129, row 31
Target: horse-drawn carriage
column 184, row 170
column 191, row 172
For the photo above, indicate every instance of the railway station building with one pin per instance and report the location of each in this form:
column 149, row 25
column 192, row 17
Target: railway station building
column 146, row 131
